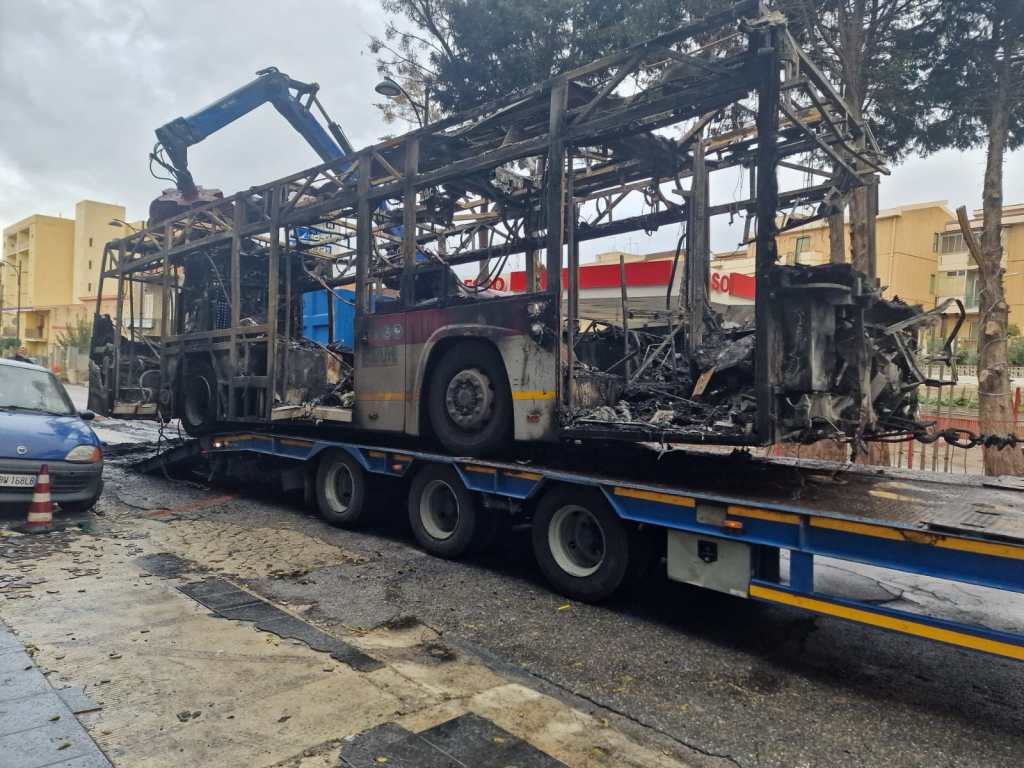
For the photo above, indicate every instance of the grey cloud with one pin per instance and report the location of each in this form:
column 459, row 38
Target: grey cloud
column 83, row 84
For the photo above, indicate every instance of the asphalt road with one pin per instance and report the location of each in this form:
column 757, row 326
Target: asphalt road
column 736, row 682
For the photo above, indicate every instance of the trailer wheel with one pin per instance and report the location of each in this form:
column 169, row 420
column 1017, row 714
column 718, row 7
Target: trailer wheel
column 468, row 402
column 581, row 545
column 199, row 398
column 341, row 490
column 443, row 513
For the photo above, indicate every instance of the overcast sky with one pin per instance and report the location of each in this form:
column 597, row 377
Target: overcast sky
column 84, row 83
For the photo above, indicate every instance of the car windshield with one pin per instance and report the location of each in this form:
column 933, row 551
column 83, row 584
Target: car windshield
column 30, row 390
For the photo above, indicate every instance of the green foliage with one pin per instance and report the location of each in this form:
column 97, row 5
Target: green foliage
column 1015, row 352
column 9, row 342
column 76, row 336
column 1013, row 330
column 460, row 53
column 972, row 39
column 878, row 52
column 966, row 356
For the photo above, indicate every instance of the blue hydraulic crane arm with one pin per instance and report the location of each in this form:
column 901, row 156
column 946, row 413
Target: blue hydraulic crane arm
column 292, row 98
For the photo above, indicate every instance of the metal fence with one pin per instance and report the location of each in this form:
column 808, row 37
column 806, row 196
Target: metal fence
column 952, row 407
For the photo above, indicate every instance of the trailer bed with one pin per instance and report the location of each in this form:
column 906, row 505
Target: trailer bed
column 966, row 529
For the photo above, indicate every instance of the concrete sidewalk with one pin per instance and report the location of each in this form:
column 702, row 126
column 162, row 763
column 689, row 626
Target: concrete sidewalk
column 152, row 614
column 38, row 727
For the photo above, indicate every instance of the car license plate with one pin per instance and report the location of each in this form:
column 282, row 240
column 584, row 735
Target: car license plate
column 17, row 481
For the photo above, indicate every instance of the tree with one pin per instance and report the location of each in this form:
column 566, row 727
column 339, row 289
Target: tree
column 876, row 50
column 76, row 335
column 456, row 54
column 977, row 83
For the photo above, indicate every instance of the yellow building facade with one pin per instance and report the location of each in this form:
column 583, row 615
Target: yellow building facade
column 904, row 244
column 956, row 273
column 59, row 261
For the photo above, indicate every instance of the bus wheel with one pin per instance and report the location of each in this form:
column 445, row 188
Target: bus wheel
column 468, row 403
column 199, row 398
column 443, row 513
column 341, row 489
column 581, row 545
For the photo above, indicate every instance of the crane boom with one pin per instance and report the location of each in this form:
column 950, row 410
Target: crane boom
column 293, row 99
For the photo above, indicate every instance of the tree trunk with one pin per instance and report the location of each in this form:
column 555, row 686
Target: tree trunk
column 860, row 255
column 995, row 404
column 836, row 239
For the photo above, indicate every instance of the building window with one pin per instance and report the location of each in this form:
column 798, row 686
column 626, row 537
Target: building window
column 971, row 290
column 803, row 244
column 90, row 263
column 88, row 288
column 951, row 242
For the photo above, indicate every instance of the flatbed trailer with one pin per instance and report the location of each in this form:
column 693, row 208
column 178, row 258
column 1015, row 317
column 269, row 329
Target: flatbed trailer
column 715, row 521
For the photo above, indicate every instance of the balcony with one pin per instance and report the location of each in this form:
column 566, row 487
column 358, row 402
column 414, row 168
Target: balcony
column 956, row 284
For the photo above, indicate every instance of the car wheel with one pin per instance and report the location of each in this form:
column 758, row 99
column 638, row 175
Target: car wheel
column 78, row 507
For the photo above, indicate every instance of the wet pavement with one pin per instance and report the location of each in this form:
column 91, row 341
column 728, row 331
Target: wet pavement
column 324, row 642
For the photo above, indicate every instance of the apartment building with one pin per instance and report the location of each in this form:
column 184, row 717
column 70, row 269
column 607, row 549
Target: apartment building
column 49, row 278
column 906, row 243
column 956, row 274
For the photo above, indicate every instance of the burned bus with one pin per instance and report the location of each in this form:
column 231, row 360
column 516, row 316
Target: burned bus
column 633, row 142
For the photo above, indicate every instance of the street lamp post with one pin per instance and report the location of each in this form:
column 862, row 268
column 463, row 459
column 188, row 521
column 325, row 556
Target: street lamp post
column 391, row 89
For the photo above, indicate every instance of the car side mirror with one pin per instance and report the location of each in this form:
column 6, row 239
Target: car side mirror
column 87, row 415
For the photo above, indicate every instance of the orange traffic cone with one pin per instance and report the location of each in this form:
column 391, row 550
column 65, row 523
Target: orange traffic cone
column 40, row 511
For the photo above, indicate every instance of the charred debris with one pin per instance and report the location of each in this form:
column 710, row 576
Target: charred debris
column 632, row 142
column 847, row 365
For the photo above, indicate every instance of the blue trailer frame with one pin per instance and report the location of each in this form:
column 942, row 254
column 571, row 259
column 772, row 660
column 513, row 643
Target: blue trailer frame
column 878, row 532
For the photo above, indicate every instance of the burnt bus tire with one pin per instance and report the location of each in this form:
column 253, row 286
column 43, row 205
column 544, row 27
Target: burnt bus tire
column 341, row 490
column 199, row 398
column 469, row 404
column 443, row 513
column 582, row 547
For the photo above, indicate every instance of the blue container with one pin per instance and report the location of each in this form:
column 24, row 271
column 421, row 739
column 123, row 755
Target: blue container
column 314, row 317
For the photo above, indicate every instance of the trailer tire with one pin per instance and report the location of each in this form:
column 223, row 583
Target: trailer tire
column 341, row 489
column 469, row 404
column 583, row 548
column 443, row 513
column 199, row 398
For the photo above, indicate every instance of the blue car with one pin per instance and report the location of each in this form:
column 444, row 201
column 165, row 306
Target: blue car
column 39, row 425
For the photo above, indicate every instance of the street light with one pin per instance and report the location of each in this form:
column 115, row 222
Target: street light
column 389, row 88
column 121, row 223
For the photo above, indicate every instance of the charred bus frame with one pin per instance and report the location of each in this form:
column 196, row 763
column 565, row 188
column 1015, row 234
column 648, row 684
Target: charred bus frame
column 402, row 213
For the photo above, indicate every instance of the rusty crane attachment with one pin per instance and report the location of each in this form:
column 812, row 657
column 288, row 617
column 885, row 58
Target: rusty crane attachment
column 414, row 231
